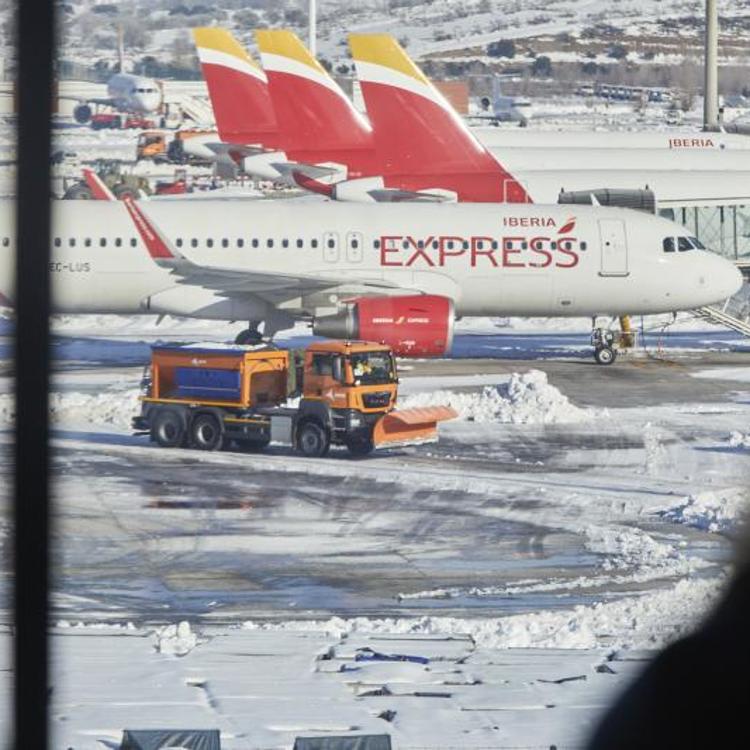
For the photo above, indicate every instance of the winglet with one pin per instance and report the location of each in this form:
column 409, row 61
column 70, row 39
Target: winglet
column 238, row 89
column 99, row 189
column 157, row 247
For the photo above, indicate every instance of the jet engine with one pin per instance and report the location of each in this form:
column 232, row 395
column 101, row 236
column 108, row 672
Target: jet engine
column 414, row 326
column 82, row 113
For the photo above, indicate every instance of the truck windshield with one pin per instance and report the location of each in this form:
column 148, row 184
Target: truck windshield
column 373, row 367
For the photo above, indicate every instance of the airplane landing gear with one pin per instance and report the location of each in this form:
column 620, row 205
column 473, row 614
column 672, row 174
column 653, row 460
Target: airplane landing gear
column 602, row 339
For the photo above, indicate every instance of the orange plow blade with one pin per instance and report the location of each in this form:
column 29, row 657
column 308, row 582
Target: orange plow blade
column 411, row 426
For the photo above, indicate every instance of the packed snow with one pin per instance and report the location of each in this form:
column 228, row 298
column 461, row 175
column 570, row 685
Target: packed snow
column 713, row 510
column 527, row 398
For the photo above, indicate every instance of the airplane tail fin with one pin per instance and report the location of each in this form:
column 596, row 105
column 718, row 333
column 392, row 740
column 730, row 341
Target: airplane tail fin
column 417, row 130
column 237, row 87
column 311, row 109
column 99, row 190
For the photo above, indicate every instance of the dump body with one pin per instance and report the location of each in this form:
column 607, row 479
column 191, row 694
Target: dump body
column 347, row 395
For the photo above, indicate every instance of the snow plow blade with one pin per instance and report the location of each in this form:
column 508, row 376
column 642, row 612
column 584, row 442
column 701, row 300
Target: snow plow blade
column 411, row 426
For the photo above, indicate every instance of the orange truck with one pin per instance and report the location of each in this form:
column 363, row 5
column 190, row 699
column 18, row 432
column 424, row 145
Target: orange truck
column 345, row 394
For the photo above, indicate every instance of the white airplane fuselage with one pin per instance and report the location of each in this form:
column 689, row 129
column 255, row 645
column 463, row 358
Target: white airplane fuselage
column 489, row 259
column 131, row 93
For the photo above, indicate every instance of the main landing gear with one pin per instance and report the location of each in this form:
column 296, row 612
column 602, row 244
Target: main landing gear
column 249, row 337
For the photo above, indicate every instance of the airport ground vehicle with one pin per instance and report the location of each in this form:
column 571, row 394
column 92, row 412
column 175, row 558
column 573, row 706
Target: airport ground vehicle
column 119, row 182
column 179, row 147
column 115, row 121
column 207, row 398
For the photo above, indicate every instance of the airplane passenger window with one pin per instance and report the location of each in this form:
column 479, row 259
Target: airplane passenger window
column 225, row 243
column 435, row 244
column 450, row 244
column 480, row 245
column 87, row 242
column 668, row 244
column 582, row 245
column 209, row 243
column 553, row 245
column 269, row 243
column 495, row 244
column 72, row 242
column 684, row 244
column 178, row 242
column 375, row 244
column 254, row 243
column 697, row 243
column 331, row 243
column 508, row 244
column 58, row 242
column 355, row 243
column 102, row 242
column 240, row 242
column 300, row 243
column 194, row 242
column 404, row 244
column 118, row 242
column 313, row 243
column 524, row 245
column 133, row 242
column 465, row 245
column 284, row 243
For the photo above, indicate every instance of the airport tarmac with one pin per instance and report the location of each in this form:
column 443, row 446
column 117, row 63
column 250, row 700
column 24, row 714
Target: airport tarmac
column 496, row 518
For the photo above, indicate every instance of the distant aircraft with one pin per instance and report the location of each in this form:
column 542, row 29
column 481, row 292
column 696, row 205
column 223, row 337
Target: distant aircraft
column 502, row 108
column 126, row 93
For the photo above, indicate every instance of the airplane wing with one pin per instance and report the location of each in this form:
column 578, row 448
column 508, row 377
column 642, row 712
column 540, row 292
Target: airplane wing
column 271, row 286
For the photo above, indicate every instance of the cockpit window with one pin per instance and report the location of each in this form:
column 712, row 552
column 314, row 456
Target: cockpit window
column 668, row 244
column 697, row 243
column 684, row 244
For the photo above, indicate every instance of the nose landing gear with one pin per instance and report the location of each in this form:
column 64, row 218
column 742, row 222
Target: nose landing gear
column 603, row 340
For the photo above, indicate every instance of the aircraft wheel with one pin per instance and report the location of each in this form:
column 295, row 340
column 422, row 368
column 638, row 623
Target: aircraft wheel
column 605, row 355
column 312, row 440
column 78, row 192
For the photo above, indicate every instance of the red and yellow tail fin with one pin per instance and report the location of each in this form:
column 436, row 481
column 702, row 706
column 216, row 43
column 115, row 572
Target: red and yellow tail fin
column 238, row 89
column 311, row 109
column 415, row 126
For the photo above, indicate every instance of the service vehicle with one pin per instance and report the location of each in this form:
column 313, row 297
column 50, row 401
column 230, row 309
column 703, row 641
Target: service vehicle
column 345, row 393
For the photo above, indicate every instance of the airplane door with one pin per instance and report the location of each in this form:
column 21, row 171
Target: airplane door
column 614, row 248
column 331, row 247
column 354, row 247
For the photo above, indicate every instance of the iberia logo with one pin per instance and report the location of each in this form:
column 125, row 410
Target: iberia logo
column 568, row 226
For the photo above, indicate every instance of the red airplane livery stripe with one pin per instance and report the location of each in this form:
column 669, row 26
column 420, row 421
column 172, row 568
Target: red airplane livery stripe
column 156, row 247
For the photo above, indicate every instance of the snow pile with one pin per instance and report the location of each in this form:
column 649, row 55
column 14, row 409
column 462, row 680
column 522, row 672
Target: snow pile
column 74, row 407
column 713, row 510
column 648, row 621
column 527, row 398
column 176, row 640
column 739, row 439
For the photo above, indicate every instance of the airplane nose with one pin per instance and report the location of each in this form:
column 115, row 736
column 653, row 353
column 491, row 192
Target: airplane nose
column 720, row 279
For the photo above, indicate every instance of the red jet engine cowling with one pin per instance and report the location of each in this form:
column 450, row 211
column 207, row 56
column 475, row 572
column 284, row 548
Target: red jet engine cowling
column 413, row 326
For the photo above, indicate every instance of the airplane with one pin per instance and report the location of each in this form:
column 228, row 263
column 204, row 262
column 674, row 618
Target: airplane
column 125, row 93
column 421, row 150
column 398, row 273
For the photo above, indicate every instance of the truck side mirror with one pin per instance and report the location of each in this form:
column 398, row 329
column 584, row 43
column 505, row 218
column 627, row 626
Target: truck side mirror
column 338, row 370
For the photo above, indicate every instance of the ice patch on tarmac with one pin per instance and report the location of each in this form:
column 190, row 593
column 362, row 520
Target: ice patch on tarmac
column 647, row 621
column 74, row 407
column 739, row 439
column 527, row 398
column 714, row 510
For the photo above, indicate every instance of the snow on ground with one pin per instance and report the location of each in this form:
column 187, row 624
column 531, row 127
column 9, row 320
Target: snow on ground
column 525, row 399
column 713, row 510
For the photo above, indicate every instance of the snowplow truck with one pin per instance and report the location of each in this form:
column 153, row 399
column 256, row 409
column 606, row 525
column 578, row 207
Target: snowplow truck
column 344, row 393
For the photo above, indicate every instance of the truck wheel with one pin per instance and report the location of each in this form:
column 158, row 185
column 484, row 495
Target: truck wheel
column 312, row 440
column 206, row 433
column 360, row 446
column 168, row 429
column 124, row 191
